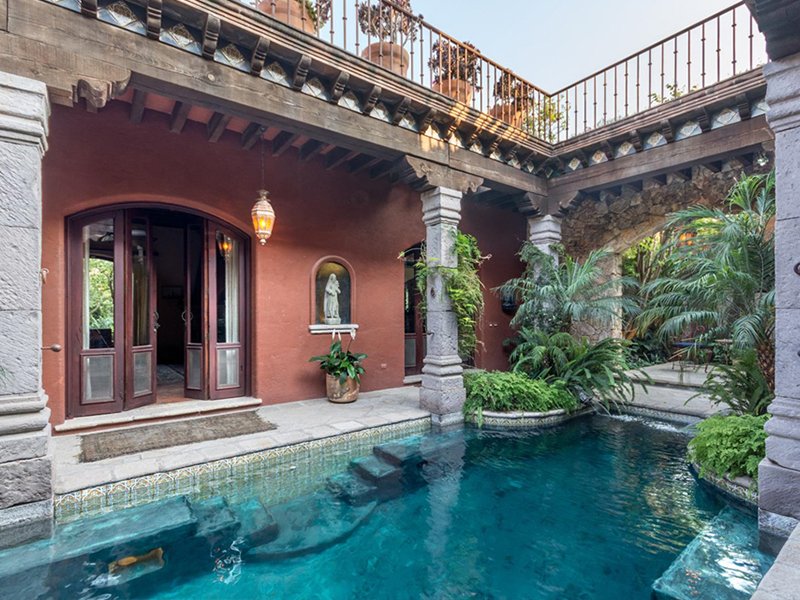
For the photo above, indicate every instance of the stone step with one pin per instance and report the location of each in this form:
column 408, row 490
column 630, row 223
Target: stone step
column 215, row 520
column 310, row 524
column 403, row 454
column 722, row 562
column 375, row 470
column 352, row 488
column 258, row 526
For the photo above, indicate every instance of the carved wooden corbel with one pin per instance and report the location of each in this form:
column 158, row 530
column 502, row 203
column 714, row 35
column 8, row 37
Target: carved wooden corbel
column 636, row 141
column 401, row 110
column 743, row 104
column 704, row 120
column 424, row 175
column 153, row 19
column 211, row 36
column 301, row 72
column 667, row 130
column 371, row 99
column 260, row 51
column 97, row 92
column 339, row 85
column 89, row 8
column 607, row 149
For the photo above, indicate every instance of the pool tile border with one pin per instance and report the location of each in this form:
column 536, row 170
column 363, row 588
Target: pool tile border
column 525, row 419
column 151, row 487
column 747, row 495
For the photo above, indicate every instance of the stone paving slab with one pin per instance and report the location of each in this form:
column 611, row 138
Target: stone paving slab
column 295, row 422
column 674, row 400
column 674, row 374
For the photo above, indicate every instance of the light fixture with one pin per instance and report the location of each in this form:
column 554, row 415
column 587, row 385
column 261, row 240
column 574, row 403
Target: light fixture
column 224, row 245
column 263, row 217
column 263, row 214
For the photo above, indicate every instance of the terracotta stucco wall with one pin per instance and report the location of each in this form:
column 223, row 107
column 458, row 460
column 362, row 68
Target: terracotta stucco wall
column 102, row 159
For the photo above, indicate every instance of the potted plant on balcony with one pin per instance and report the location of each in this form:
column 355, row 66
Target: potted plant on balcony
column 308, row 15
column 456, row 69
column 512, row 99
column 393, row 26
column 343, row 370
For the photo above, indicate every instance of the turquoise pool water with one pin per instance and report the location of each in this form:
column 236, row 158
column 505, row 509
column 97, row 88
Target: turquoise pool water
column 597, row 508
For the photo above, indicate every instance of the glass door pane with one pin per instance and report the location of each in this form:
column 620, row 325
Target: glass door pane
column 195, row 314
column 143, row 318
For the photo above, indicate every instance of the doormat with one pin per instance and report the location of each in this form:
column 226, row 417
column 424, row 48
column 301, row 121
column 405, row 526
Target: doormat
column 110, row 444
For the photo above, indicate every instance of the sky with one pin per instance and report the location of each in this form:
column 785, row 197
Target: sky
column 553, row 43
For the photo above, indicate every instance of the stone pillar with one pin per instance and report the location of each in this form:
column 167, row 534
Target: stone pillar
column 779, row 472
column 543, row 232
column 442, row 391
column 26, row 491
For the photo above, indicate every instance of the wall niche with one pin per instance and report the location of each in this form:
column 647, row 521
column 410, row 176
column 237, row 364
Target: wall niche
column 333, row 287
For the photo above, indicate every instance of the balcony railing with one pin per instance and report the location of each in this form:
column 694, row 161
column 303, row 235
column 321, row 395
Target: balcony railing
column 386, row 32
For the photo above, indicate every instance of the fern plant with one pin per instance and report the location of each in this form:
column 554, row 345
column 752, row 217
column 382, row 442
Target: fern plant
column 740, row 386
column 730, row 446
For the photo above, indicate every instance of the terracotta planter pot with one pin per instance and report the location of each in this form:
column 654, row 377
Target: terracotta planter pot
column 508, row 113
column 341, row 393
column 388, row 55
column 458, row 89
column 293, row 17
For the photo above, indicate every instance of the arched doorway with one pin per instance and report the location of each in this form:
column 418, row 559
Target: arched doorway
column 157, row 309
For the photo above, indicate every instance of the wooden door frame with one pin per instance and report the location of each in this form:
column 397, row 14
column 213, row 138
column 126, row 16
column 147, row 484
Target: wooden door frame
column 74, row 295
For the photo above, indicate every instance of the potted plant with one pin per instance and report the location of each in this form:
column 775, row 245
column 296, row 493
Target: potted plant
column 393, row 26
column 456, row 70
column 511, row 99
column 308, row 15
column 343, row 370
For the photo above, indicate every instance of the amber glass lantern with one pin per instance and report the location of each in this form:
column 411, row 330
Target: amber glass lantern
column 263, row 217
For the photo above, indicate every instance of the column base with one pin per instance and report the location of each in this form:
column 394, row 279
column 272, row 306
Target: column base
column 778, row 504
column 450, row 420
column 26, row 523
column 773, row 531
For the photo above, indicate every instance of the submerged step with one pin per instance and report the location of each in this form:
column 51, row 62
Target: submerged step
column 722, row 562
column 352, row 488
column 215, row 520
column 258, row 526
column 400, row 454
column 311, row 524
column 375, row 470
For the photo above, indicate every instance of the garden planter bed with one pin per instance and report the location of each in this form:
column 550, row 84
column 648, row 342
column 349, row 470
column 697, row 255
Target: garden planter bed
column 739, row 489
column 520, row 418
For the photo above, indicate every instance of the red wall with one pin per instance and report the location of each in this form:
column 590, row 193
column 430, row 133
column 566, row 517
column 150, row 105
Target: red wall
column 100, row 159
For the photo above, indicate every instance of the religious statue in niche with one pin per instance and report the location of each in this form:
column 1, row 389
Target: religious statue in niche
column 331, row 303
column 332, row 294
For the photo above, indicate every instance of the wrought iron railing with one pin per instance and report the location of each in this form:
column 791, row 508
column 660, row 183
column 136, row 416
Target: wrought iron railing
column 389, row 34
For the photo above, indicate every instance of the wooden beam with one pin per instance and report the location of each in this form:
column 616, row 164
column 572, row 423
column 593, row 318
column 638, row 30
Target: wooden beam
column 337, row 156
column 252, row 134
column 283, row 141
column 361, row 162
column 632, row 187
column 382, row 169
column 715, row 166
column 310, row 149
column 178, row 119
column 137, row 106
column 217, row 125
column 89, row 8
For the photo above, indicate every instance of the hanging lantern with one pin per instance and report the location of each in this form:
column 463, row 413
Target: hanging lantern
column 263, row 217
column 224, row 245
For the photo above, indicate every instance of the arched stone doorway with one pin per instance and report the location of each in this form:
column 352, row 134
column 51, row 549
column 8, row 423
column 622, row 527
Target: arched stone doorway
column 157, row 309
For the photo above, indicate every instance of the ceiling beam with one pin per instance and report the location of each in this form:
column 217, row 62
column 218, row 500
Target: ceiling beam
column 283, row 141
column 178, row 118
column 137, row 106
column 361, row 162
column 337, row 156
column 217, row 125
column 251, row 134
column 381, row 169
column 310, row 149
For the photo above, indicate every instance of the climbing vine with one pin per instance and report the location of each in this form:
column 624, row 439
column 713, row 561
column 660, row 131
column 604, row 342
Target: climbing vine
column 463, row 285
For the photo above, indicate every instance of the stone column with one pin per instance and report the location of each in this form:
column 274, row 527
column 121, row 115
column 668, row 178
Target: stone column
column 26, row 492
column 442, row 391
column 779, row 472
column 543, row 232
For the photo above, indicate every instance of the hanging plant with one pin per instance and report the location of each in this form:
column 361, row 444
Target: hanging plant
column 463, row 286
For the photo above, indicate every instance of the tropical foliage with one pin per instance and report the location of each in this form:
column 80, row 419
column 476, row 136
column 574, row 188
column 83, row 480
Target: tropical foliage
column 730, row 446
column 341, row 363
column 503, row 391
column 553, row 294
column 588, row 371
column 720, row 282
column 740, row 386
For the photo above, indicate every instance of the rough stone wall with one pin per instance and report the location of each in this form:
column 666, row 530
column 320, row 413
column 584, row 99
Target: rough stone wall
column 621, row 222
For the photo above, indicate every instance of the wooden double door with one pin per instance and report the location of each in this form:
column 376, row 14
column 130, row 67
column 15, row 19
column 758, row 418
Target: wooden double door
column 113, row 318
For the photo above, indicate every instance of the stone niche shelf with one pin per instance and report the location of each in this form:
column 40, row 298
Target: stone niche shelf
column 320, row 329
column 529, row 419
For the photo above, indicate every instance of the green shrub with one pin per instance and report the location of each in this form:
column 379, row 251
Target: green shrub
column 740, row 386
column 730, row 445
column 501, row 391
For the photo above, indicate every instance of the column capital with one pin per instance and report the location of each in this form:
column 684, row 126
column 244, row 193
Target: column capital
column 544, row 230
column 425, row 175
column 24, row 111
column 783, row 94
column 441, row 206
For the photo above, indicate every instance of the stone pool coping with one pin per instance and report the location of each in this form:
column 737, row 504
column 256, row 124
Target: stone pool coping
column 520, row 418
column 784, row 575
column 742, row 489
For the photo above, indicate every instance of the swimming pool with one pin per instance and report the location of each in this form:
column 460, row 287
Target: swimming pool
column 597, row 508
